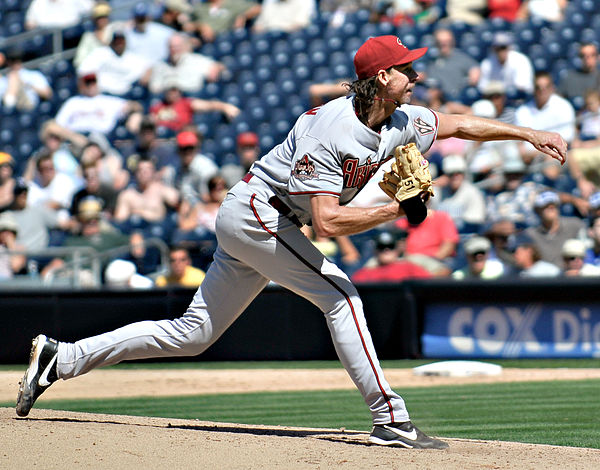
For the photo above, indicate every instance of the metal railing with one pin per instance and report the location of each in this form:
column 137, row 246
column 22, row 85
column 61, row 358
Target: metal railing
column 82, row 266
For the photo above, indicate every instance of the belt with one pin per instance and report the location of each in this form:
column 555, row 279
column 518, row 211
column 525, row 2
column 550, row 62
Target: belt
column 278, row 204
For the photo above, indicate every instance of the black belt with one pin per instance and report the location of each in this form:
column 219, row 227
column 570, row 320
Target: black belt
column 278, row 204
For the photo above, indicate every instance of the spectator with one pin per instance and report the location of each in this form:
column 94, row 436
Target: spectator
column 144, row 205
column 547, row 10
column 195, row 169
column 35, row 223
column 146, row 38
column 63, row 145
column 554, row 229
column 547, row 111
column 584, row 161
column 485, row 159
column 100, row 36
column 495, row 92
column 123, row 274
column 187, row 69
column 109, row 162
column 56, row 13
column 147, row 146
column 389, row 266
column 175, row 111
column 460, row 198
column 506, row 65
column 7, row 181
column 452, row 69
column 479, row 266
column 320, row 93
column 181, row 272
column 50, row 189
column 433, row 243
column 214, row 17
column 248, row 151
column 575, row 83
column 176, row 14
column 91, row 111
column 592, row 254
column 339, row 250
column 466, row 11
column 22, row 88
column 10, row 263
column 506, row 9
column 501, row 234
column 285, row 15
column 529, row 261
column 116, row 67
column 106, row 195
column 196, row 222
column 573, row 254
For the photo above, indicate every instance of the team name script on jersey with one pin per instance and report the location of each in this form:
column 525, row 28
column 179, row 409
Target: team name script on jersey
column 355, row 175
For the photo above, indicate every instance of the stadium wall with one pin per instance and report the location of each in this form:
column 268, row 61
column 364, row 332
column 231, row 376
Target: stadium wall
column 436, row 319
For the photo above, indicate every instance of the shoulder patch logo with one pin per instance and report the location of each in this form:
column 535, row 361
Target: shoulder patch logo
column 423, row 127
column 304, row 169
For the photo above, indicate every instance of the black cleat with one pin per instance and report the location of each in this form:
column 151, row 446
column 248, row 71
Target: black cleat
column 40, row 374
column 404, row 435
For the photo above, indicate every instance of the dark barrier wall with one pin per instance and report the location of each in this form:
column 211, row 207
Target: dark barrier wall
column 278, row 325
column 437, row 319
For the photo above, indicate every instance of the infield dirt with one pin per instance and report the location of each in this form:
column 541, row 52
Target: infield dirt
column 51, row 439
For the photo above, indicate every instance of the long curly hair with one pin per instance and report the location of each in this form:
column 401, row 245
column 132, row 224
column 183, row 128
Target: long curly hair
column 364, row 91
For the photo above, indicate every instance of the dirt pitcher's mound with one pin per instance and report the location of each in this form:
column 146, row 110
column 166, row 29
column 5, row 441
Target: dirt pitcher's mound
column 58, row 440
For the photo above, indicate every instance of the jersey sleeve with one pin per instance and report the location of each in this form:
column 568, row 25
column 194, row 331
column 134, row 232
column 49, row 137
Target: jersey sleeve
column 423, row 124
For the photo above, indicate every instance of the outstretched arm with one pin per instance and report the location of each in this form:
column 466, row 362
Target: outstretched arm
column 476, row 128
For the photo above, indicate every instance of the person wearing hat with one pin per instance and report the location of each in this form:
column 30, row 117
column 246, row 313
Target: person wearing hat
column 388, row 264
column 146, row 37
column 479, row 265
column 195, row 168
column 573, row 254
column 328, row 156
column 100, row 35
column 460, row 198
column 505, row 64
column 528, row 260
column 122, row 274
column 117, row 67
column 7, row 181
column 554, row 229
column 10, row 263
column 248, row 151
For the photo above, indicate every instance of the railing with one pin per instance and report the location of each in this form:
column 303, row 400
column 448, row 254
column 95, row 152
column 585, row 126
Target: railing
column 82, row 268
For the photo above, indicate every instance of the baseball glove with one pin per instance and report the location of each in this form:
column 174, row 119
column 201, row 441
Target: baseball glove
column 409, row 182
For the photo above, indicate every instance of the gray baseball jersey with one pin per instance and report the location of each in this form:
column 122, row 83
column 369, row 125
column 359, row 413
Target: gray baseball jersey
column 327, row 152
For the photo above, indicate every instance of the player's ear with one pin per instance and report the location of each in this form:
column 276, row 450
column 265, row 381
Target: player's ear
column 383, row 77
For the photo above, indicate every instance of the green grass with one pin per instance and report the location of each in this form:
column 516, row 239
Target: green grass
column 386, row 364
column 556, row 412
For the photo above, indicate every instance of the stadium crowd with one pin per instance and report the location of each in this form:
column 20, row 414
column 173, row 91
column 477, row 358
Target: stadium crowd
column 121, row 160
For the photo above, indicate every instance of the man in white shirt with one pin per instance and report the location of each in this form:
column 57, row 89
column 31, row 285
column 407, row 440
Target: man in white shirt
column 547, row 111
column 116, row 68
column 187, row 69
column 22, row 87
column 56, row 13
column 146, row 38
column 506, row 65
column 91, row 111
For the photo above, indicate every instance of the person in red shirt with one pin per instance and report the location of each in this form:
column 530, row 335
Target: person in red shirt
column 432, row 244
column 387, row 266
column 176, row 111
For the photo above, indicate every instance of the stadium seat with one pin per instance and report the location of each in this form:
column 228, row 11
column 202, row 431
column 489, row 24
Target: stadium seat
column 14, row 22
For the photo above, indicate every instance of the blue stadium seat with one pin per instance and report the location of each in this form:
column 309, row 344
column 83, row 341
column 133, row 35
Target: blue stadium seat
column 469, row 95
column 14, row 22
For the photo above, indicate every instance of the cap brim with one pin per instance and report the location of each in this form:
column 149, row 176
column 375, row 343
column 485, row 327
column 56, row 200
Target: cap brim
column 413, row 55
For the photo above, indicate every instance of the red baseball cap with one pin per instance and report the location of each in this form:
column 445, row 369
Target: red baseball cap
column 187, row 139
column 249, row 139
column 381, row 53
